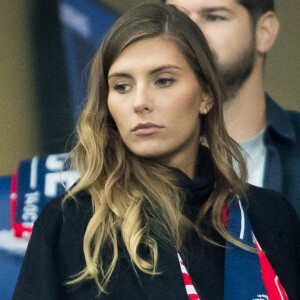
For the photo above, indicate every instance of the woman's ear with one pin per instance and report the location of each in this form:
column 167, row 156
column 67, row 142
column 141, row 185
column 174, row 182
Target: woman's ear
column 206, row 103
column 267, row 28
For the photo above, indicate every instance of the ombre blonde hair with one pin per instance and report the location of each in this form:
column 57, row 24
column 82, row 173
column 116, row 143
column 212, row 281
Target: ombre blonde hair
column 134, row 197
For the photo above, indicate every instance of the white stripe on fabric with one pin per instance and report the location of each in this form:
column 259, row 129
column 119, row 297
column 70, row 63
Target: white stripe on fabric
column 33, row 172
column 183, row 268
column 276, row 282
column 256, row 242
column 13, row 196
column 242, row 232
column 190, row 289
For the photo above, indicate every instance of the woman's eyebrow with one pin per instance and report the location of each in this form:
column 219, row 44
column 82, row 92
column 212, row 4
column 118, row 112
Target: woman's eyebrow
column 164, row 68
column 156, row 70
column 119, row 74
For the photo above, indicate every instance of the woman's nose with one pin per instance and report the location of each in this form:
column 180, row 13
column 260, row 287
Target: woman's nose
column 143, row 101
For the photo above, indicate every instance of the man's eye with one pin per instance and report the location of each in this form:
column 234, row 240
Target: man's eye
column 122, row 88
column 215, row 18
column 165, row 82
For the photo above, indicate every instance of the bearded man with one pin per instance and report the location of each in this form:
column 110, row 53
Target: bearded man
column 240, row 34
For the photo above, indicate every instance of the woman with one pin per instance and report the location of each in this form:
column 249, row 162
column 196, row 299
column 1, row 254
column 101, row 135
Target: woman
column 158, row 211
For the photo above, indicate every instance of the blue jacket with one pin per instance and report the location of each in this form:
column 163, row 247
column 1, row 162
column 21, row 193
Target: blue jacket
column 282, row 140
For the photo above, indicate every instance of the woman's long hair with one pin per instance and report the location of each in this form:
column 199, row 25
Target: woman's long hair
column 134, row 197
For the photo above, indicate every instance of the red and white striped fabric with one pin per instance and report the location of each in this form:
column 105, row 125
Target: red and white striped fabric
column 190, row 289
column 271, row 281
column 272, row 284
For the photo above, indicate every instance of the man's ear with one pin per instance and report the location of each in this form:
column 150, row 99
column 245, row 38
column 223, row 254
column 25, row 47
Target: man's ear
column 206, row 103
column 267, row 28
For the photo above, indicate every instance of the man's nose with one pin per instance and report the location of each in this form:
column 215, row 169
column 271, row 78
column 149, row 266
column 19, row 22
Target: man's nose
column 143, row 101
column 195, row 17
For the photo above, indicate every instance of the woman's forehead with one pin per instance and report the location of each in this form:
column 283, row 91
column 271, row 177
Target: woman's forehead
column 149, row 54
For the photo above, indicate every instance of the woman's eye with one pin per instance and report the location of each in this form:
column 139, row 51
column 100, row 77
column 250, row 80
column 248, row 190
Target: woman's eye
column 122, row 87
column 165, row 82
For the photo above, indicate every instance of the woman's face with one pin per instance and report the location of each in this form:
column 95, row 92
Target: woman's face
column 156, row 101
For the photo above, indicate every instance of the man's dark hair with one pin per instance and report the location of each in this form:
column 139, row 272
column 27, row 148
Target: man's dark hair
column 256, row 8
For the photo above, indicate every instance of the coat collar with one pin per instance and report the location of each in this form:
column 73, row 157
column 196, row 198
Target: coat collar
column 278, row 120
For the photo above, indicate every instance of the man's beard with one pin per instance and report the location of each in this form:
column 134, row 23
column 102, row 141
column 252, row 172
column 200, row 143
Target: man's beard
column 235, row 73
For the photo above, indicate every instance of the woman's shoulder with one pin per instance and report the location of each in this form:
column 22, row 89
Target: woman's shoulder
column 57, row 214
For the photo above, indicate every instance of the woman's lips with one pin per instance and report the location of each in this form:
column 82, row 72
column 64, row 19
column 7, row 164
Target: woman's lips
column 146, row 129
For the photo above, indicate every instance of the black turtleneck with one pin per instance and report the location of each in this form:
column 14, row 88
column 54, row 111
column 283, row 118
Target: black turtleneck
column 203, row 260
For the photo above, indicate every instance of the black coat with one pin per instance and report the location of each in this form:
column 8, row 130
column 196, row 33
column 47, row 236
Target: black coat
column 55, row 253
